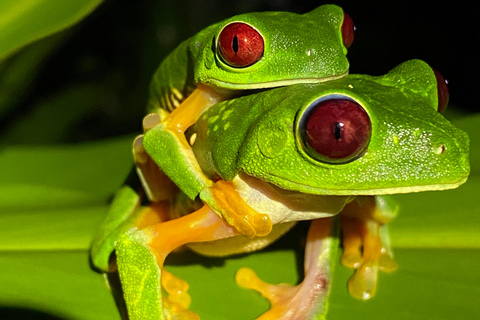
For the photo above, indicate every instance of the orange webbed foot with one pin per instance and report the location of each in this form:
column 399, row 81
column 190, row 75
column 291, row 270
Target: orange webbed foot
column 366, row 247
column 224, row 198
column 308, row 299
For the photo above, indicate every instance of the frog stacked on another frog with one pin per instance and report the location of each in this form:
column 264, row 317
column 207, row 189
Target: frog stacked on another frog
column 239, row 54
column 269, row 156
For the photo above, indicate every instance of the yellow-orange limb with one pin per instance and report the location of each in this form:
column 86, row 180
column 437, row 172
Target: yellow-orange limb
column 363, row 284
column 278, row 295
column 176, row 289
column 238, row 213
column 192, row 108
column 307, row 298
column 352, row 241
column 201, row 225
column 156, row 212
column 361, row 229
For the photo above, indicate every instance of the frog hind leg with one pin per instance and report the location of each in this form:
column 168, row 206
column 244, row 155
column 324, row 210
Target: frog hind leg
column 363, row 226
column 150, row 292
column 124, row 213
column 309, row 299
column 143, row 283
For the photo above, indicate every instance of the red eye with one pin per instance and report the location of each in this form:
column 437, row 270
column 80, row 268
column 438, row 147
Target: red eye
column 348, row 30
column 337, row 130
column 240, row 45
column 442, row 89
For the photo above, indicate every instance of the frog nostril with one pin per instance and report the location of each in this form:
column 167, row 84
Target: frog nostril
column 440, row 149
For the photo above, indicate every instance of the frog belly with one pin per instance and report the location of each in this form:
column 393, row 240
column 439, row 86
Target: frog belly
column 284, row 208
column 284, row 205
column 240, row 244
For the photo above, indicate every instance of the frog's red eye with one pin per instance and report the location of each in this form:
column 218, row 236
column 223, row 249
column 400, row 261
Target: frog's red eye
column 336, row 130
column 240, row 45
column 442, row 89
column 348, row 30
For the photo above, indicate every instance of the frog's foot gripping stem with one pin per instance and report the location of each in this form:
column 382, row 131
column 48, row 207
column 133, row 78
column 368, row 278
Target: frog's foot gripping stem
column 309, row 299
column 362, row 227
column 140, row 257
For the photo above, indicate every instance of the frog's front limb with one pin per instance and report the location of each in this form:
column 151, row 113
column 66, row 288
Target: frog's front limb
column 141, row 253
column 181, row 165
column 363, row 226
column 308, row 300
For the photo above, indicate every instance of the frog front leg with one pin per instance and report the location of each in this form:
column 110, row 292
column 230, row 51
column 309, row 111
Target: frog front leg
column 181, row 165
column 309, row 299
column 141, row 254
column 363, row 226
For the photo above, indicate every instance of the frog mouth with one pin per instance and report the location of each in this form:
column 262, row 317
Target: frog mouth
column 222, row 84
column 295, row 186
column 411, row 189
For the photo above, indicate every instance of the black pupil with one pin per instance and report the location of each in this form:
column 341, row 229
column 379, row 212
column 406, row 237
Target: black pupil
column 235, row 44
column 338, row 130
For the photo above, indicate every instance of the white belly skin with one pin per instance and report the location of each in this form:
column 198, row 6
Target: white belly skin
column 283, row 207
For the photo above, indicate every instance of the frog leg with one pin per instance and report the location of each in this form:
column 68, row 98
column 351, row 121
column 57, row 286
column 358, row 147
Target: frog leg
column 125, row 212
column 182, row 167
column 309, row 299
column 141, row 255
column 363, row 225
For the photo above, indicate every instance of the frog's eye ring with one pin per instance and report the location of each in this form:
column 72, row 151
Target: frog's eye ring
column 335, row 130
column 442, row 89
column 240, row 45
column 348, row 30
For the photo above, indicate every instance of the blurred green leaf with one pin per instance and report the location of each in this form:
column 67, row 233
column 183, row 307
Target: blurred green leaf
column 97, row 168
column 51, row 120
column 55, row 197
column 429, row 284
column 58, row 283
column 25, row 21
column 19, row 72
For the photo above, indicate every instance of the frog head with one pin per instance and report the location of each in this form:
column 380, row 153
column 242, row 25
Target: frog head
column 358, row 135
column 269, row 49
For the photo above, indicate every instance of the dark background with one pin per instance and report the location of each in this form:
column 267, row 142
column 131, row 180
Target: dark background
column 119, row 46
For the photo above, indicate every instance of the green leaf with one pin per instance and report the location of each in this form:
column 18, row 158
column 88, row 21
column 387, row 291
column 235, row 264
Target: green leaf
column 54, row 198
column 25, row 21
column 19, row 72
column 97, row 168
column 69, row 107
column 58, row 283
column 429, row 284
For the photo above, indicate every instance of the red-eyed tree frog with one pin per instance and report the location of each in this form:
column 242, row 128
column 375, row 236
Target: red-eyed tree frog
column 300, row 152
column 245, row 52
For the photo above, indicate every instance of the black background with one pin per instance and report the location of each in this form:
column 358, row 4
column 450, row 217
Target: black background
column 122, row 42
